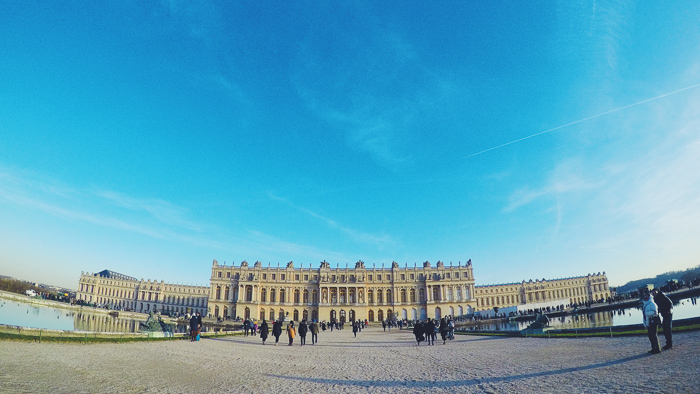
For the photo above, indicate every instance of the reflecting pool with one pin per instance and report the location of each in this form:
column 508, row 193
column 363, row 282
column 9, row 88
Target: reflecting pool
column 682, row 309
column 23, row 314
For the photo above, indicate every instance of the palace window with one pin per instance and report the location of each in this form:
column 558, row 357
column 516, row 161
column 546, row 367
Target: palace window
column 403, row 277
column 228, row 275
column 219, row 274
column 274, row 276
column 264, row 276
column 413, row 277
column 282, row 276
column 369, row 277
column 296, row 277
column 379, row 277
column 306, row 277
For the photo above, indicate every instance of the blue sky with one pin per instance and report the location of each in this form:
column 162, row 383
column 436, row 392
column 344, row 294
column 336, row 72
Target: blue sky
column 150, row 138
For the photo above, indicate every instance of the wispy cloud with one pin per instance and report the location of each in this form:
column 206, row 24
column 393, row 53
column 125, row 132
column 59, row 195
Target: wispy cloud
column 369, row 102
column 566, row 178
column 357, row 236
column 151, row 217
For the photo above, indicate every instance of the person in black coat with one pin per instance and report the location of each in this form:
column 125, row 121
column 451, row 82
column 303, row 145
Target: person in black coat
column 264, row 331
column 418, row 332
column 666, row 311
column 194, row 325
column 443, row 330
column 303, row 329
column 429, row 331
column 277, row 330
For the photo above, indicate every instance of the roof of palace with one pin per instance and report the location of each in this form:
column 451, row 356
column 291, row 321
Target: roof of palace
column 114, row 275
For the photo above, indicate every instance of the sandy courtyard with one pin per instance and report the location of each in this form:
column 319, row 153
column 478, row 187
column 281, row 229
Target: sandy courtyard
column 373, row 362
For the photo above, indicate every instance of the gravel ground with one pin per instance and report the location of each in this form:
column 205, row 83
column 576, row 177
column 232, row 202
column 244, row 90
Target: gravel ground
column 374, row 362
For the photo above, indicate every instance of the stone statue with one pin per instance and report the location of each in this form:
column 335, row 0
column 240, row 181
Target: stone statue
column 155, row 323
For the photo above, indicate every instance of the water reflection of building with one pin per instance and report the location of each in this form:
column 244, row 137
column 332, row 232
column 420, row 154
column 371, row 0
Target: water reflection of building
column 100, row 322
column 326, row 293
column 578, row 290
column 118, row 291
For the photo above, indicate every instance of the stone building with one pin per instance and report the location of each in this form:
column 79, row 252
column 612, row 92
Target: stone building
column 576, row 290
column 118, row 291
column 341, row 294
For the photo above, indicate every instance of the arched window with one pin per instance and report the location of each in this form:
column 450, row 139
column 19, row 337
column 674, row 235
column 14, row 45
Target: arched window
column 296, row 297
column 263, row 295
column 226, row 292
column 314, row 297
column 403, row 295
column 389, row 299
column 283, row 296
column 249, row 293
column 273, row 297
column 218, row 293
column 370, row 315
column 413, row 295
column 272, row 314
column 370, row 297
column 262, row 314
column 281, row 314
column 296, row 315
column 306, row 297
column 380, row 298
column 421, row 296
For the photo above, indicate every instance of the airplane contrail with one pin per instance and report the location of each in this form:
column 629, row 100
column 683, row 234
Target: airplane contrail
column 583, row 120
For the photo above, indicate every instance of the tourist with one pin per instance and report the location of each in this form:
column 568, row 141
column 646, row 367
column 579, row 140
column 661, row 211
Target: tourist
column 314, row 332
column 277, row 330
column 429, row 330
column 384, row 324
column 264, row 330
column 443, row 330
column 193, row 328
column 199, row 325
column 666, row 310
column 651, row 321
column 246, row 325
column 255, row 328
column 418, row 332
column 291, row 332
column 303, row 329
column 355, row 328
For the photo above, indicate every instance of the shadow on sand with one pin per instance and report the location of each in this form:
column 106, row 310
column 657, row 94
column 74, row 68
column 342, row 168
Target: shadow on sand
column 459, row 383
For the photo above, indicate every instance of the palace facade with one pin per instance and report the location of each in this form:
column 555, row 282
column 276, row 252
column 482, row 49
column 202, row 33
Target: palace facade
column 118, row 291
column 577, row 290
column 335, row 294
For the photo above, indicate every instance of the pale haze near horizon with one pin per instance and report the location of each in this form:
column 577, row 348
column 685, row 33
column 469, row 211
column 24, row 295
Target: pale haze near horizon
column 150, row 138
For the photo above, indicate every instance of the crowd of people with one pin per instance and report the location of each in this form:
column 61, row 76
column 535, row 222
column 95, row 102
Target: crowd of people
column 427, row 330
